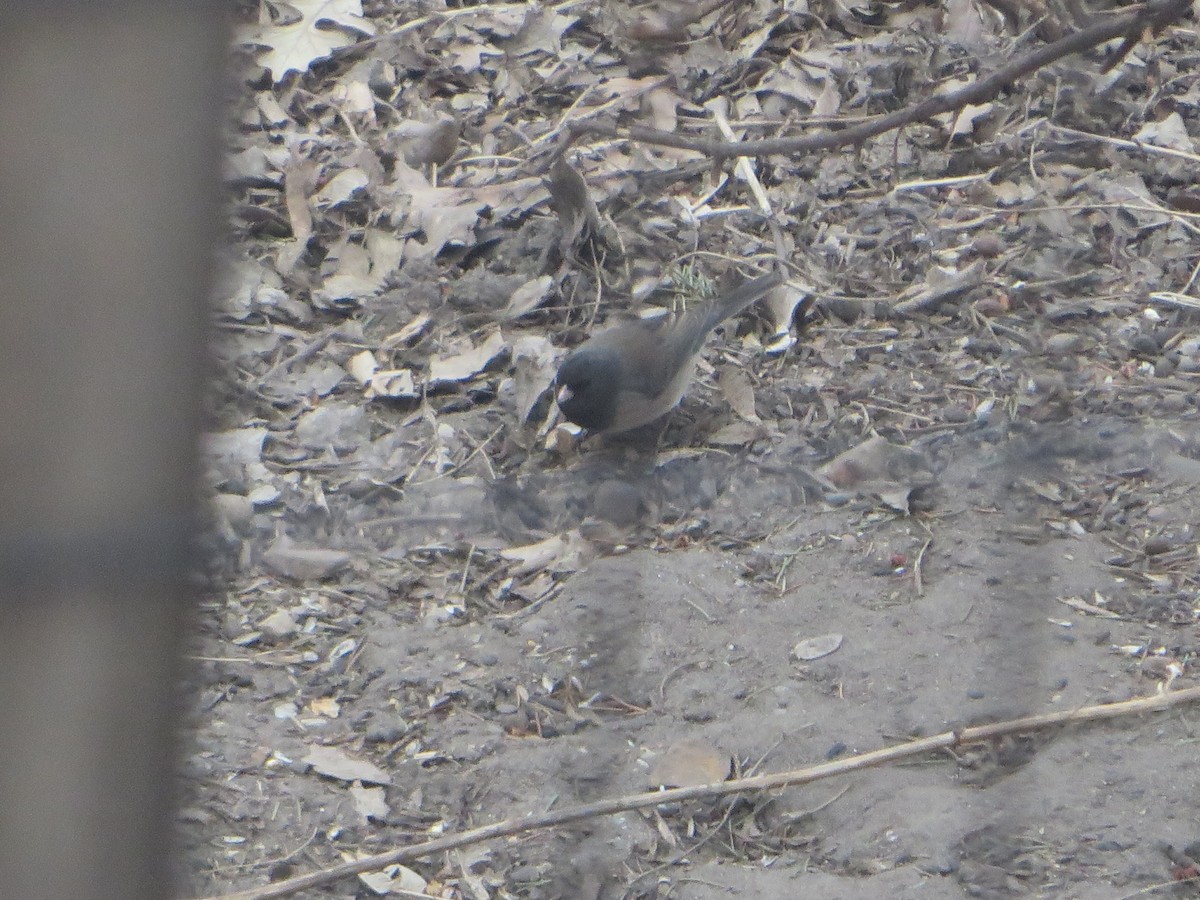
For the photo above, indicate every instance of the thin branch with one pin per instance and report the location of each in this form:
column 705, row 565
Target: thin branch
column 508, row 827
column 1155, row 13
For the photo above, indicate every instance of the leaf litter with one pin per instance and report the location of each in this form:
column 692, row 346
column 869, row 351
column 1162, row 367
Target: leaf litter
column 972, row 331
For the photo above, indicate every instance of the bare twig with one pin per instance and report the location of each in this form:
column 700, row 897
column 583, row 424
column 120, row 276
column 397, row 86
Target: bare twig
column 956, row 285
column 918, row 580
column 949, row 739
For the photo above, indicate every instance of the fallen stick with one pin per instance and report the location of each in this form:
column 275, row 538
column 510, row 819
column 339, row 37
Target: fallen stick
column 945, row 740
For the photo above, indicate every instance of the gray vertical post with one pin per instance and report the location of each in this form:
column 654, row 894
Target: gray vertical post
column 108, row 209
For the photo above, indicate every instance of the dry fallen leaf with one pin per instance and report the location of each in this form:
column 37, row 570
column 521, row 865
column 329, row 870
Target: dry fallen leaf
column 533, row 557
column 381, row 382
column 444, row 215
column 816, row 647
column 534, row 367
column 341, row 187
column 396, row 879
column 296, row 45
column 780, row 306
column 1168, row 132
column 462, row 366
column 736, row 434
column 335, row 763
column 326, row 707
column 303, row 563
column 370, row 802
column 738, row 392
column 279, row 625
column 558, row 553
column 690, row 764
column 409, row 332
column 528, row 296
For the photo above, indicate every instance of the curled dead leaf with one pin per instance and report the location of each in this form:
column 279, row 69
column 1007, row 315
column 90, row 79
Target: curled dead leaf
column 462, row 366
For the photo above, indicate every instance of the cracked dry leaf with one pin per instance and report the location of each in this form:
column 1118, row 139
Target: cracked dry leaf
column 241, row 445
column 272, row 113
column 243, row 285
column 370, row 802
column 343, row 288
column 557, row 553
column 443, row 215
column 296, row 45
column 397, row 879
column 964, row 122
column 318, row 378
column 392, row 383
column 781, row 305
column 326, row 707
column 409, row 333
column 381, row 382
column 279, row 625
column 534, row 368
column 466, row 365
column 528, row 297
column 738, row 392
column 355, row 97
column 532, row 557
column 1168, row 132
column 362, row 366
column 796, row 81
column 332, row 762
column 341, row 187
column 385, row 252
column 250, row 165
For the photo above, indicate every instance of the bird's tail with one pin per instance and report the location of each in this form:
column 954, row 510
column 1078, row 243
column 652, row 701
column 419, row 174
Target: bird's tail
column 738, row 299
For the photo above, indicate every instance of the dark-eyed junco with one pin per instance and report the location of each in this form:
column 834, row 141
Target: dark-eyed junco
column 634, row 373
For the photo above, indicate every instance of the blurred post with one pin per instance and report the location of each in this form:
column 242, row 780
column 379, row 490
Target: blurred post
column 109, row 188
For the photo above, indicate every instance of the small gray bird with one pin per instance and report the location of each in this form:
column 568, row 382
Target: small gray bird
column 636, row 372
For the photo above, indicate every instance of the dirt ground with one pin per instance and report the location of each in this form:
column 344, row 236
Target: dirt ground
column 433, row 612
